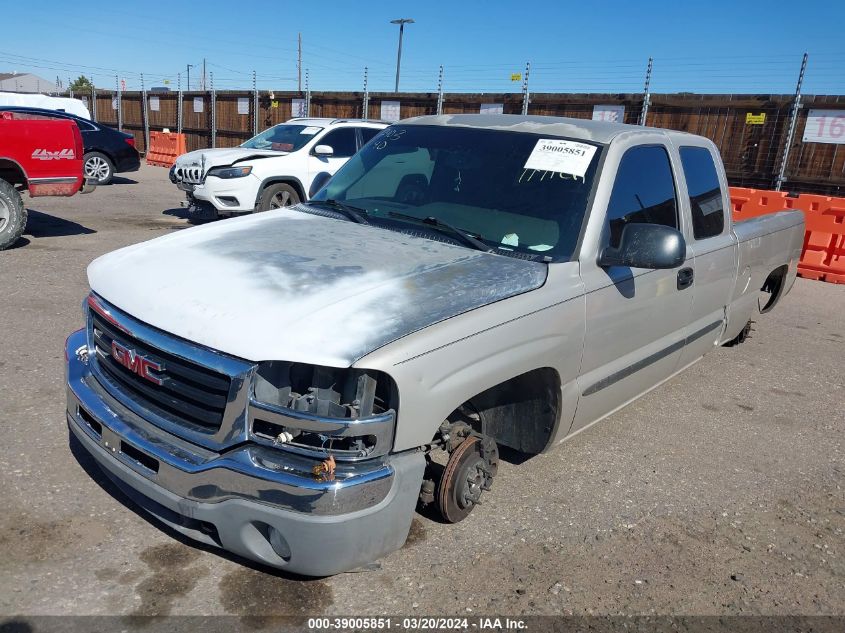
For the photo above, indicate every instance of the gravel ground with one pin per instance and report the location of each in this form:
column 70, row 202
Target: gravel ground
column 721, row 492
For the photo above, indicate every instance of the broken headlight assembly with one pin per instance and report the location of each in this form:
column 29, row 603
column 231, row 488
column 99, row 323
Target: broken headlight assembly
column 318, row 411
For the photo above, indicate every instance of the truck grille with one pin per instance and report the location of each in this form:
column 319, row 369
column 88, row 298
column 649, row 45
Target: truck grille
column 189, row 394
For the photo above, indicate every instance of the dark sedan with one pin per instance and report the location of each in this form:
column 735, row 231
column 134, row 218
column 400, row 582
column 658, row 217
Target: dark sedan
column 107, row 151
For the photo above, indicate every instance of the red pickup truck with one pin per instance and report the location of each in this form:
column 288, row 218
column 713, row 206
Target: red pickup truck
column 44, row 157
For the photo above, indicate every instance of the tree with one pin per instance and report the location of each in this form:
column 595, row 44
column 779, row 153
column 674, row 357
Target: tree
column 81, row 84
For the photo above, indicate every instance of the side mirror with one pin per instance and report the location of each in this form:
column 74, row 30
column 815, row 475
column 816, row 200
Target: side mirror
column 646, row 246
column 323, row 150
column 320, row 181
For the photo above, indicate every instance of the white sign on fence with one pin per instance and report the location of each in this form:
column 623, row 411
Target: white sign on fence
column 612, row 113
column 114, row 103
column 492, row 108
column 297, row 108
column 825, row 126
column 154, row 104
column 198, row 104
column 390, row 111
column 84, row 100
column 243, row 105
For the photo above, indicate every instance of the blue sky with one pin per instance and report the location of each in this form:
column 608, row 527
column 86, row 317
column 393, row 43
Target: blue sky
column 572, row 46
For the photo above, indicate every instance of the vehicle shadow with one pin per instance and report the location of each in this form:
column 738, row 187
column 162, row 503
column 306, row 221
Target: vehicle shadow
column 185, row 214
column 92, row 469
column 120, row 180
column 40, row 224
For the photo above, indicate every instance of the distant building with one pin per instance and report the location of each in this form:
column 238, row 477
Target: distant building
column 25, row 82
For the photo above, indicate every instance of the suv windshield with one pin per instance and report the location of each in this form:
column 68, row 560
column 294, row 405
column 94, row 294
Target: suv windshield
column 516, row 192
column 283, row 138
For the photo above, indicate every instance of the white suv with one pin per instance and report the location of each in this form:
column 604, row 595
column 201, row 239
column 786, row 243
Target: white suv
column 275, row 169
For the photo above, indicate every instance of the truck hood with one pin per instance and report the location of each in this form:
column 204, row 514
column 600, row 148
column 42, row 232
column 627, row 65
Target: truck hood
column 290, row 285
column 223, row 156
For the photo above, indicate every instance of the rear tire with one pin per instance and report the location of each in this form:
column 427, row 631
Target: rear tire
column 12, row 215
column 277, row 196
column 99, row 166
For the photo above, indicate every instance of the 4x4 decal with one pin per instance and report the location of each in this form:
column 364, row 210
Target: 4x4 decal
column 46, row 154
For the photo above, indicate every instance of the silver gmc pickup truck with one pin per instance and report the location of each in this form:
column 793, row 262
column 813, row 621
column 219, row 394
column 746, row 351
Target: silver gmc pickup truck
column 290, row 385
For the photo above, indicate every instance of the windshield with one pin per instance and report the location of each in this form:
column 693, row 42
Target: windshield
column 283, row 138
column 516, row 192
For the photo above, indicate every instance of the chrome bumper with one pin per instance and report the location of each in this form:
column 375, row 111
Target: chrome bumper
column 328, row 526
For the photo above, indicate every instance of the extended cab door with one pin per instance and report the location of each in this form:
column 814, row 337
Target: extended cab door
column 635, row 318
column 713, row 246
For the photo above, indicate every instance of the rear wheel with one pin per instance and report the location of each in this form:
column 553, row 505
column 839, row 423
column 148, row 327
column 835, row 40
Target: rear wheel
column 12, row 215
column 99, row 167
column 277, row 197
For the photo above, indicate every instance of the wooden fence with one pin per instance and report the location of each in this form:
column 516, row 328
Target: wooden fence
column 752, row 147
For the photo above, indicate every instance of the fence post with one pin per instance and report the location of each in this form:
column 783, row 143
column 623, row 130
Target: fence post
column 145, row 115
column 525, row 94
column 307, row 95
column 440, row 91
column 119, row 105
column 213, row 105
column 646, row 93
column 93, row 103
column 179, row 103
column 254, row 105
column 793, row 118
column 366, row 104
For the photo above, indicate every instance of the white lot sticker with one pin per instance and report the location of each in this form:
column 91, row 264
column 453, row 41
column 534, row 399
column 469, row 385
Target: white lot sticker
column 310, row 131
column 565, row 157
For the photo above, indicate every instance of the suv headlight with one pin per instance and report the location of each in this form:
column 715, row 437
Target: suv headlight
column 319, row 411
column 229, row 172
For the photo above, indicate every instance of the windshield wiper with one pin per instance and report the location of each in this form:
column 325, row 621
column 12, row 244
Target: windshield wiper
column 356, row 214
column 444, row 227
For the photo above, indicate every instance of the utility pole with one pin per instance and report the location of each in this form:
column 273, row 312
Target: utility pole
column 189, row 77
column 299, row 65
column 646, row 93
column 119, row 105
column 796, row 106
column 401, row 22
column 526, row 97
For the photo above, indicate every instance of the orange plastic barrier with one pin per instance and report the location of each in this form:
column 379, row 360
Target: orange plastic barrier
column 164, row 148
column 823, row 257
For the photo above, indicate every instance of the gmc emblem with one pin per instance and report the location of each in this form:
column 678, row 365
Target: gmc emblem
column 136, row 363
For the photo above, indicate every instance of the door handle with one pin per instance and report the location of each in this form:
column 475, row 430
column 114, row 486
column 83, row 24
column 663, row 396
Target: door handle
column 685, row 277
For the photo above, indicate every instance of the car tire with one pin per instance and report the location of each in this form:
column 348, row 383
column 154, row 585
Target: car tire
column 99, row 166
column 12, row 215
column 277, row 196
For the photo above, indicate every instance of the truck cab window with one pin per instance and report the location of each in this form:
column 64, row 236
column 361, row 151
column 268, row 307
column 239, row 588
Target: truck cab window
column 644, row 191
column 705, row 194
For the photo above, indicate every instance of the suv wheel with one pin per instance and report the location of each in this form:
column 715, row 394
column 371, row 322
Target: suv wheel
column 277, row 196
column 98, row 166
column 12, row 215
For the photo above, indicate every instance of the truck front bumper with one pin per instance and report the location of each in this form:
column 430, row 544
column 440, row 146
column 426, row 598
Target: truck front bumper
column 258, row 502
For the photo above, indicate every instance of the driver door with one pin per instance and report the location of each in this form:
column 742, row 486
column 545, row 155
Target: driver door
column 343, row 142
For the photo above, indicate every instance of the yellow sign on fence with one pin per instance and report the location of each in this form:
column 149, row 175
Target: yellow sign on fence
column 516, row 76
column 755, row 119
column 274, row 104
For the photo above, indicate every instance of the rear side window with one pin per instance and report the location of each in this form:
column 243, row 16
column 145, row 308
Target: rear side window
column 644, row 191
column 705, row 194
column 368, row 133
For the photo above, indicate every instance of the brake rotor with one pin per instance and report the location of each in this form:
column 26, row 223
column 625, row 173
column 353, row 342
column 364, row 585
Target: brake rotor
column 469, row 472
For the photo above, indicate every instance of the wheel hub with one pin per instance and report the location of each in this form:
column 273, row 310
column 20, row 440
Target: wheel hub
column 96, row 167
